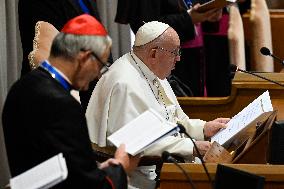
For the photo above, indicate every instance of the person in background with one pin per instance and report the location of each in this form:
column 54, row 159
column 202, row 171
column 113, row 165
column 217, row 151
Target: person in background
column 41, row 118
column 244, row 5
column 122, row 97
column 204, row 64
column 56, row 13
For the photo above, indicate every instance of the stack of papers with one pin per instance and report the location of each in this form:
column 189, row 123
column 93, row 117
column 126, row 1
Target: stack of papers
column 242, row 119
column 44, row 175
column 143, row 131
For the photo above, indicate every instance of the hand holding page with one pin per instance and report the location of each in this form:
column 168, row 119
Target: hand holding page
column 242, row 119
column 214, row 4
column 143, row 131
column 44, row 175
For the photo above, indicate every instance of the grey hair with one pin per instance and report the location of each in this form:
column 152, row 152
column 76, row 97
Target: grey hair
column 69, row 45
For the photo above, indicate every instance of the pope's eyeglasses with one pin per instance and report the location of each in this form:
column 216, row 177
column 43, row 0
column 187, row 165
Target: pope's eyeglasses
column 176, row 52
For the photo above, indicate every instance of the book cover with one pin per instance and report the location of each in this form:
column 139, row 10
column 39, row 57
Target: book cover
column 142, row 132
column 44, row 175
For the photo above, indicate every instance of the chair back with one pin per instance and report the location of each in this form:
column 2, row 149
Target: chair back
column 261, row 36
column 236, row 38
column 44, row 35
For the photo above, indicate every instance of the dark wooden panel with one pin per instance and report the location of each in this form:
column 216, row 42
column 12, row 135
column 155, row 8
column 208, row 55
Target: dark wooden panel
column 245, row 89
column 173, row 178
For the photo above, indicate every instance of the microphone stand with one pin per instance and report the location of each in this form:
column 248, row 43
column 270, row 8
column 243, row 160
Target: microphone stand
column 277, row 58
column 259, row 76
column 167, row 156
column 266, row 52
column 182, row 130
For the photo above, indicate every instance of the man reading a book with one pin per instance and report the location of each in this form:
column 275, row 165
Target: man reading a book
column 41, row 118
column 136, row 82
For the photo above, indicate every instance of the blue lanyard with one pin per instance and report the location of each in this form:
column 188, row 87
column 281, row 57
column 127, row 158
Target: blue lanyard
column 83, row 7
column 188, row 3
column 45, row 65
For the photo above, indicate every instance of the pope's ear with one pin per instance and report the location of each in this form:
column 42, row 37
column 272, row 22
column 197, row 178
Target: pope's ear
column 153, row 53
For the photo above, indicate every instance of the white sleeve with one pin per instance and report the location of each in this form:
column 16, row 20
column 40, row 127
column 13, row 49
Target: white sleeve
column 172, row 144
column 194, row 127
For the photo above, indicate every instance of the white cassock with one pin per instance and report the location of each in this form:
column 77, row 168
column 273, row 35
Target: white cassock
column 124, row 92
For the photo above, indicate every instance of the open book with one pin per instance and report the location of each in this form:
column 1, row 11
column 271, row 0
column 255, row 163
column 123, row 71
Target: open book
column 214, row 4
column 143, row 131
column 44, row 175
column 242, row 119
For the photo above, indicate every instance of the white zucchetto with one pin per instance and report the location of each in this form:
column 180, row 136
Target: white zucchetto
column 149, row 31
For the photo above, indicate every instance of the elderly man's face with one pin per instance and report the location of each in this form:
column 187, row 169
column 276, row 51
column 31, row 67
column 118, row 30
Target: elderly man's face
column 90, row 69
column 168, row 54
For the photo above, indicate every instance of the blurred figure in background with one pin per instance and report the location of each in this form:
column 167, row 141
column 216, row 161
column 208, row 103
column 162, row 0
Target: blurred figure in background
column 56, row 13
column 204, row 65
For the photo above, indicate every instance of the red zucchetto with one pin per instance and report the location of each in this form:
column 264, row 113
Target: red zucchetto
column 84, row 25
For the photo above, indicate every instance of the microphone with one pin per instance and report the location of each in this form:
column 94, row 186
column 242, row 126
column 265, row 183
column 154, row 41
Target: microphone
column 182, row 130
column 235, row 68
column 179, row 86
column 266, row 52
column 167, row 157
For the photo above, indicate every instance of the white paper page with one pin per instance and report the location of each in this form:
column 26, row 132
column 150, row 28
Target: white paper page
column 141, row 132
column 242, row 119
column 172, row 132
column 44, row 175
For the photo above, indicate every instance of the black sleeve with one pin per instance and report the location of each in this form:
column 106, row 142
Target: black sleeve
column 73, row 140
column 172, row 12
column 182, row 24
column 115, row 176
column 244, row 6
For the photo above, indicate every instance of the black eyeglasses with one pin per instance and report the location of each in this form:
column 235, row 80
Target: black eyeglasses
column 176, row 52
column 105, row 65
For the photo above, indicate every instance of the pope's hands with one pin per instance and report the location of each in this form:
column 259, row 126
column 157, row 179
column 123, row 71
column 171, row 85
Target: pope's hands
column 212, row 127
column 203, row 147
